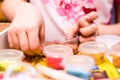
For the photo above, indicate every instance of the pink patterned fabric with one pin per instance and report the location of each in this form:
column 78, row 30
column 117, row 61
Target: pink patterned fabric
column 61, row 15
column 72, row 9
column 69, row 9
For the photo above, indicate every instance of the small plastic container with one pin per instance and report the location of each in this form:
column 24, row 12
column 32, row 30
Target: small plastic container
column 97, row 50
column 114, row 52
column 11, row 54
column 108, row 39
column 79, row 65
column 10, row 57
column 55, row 53
column 73, row 43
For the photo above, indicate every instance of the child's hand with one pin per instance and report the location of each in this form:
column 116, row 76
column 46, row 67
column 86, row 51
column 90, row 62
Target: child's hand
column 26, row 32
column 86, row 28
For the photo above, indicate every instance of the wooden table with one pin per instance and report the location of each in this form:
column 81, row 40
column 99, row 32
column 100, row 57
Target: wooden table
column 3, row 26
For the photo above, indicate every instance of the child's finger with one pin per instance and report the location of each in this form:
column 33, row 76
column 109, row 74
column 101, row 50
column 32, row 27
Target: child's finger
column 83, row 22
column 91, row 16
column 71, row 32
column 85, row 39
column 87, row 19
column 86, row 31
column 10, row 40
column 42, row 35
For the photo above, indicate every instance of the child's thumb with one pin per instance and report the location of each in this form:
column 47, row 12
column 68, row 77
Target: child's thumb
column 71, row 32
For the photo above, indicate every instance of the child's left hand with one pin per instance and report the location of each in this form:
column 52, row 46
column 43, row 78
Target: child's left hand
column 86, row 28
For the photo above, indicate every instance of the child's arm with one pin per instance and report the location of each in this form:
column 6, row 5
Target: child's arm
column 112, row 28
column 9, row 7
column 26, row 31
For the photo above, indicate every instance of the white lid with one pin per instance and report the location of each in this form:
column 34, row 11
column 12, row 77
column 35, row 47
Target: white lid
column 11, row 54
column 109, row 40
column 92, row 47
column 57, row 50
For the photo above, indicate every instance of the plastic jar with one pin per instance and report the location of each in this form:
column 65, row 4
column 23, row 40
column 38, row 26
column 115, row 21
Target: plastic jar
column 11, row 54
column 9, row 57
column 79, row 65
column 55, row 53
column 108, row 39
column 97, row 50
column 114, row 52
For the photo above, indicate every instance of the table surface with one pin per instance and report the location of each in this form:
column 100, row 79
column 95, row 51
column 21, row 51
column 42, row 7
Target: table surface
column 3, row 26
column 33, row 59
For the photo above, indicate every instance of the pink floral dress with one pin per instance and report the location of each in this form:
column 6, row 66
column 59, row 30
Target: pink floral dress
column 61, row 15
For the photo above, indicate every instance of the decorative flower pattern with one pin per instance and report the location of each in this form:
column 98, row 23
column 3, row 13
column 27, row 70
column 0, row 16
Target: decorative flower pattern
column 72, row 9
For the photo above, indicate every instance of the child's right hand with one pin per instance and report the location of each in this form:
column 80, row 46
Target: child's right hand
column 26, row 31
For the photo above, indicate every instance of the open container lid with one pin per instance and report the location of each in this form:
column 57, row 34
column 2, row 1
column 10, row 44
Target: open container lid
column 11, row 54
column 108, row 39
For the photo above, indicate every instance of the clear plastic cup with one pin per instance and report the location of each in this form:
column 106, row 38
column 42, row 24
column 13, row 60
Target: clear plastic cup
column 97, row 50
column 11, row 54
column 108, row 39
column 114, row 52
column 55, row 53
column 79, row 65
column 72, row 42
column 10, row 57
